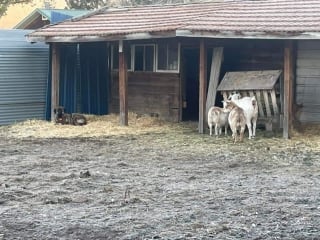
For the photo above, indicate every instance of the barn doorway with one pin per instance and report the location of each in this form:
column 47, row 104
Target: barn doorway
column 190, row 84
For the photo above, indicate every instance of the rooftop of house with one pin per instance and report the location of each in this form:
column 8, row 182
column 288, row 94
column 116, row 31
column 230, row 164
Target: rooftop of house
column 260, row 19
column 42, row 16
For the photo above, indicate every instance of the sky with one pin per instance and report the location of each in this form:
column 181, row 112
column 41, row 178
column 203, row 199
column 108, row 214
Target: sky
column 18, row 12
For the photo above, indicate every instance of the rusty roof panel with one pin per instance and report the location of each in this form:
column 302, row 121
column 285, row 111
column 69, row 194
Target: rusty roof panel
column 223, row 18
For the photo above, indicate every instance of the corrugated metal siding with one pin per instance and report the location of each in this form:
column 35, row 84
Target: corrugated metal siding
column 23, row 77
column 308, row 80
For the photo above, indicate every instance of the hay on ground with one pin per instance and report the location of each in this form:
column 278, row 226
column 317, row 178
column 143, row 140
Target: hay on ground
column 98, row 126
column 108, row 125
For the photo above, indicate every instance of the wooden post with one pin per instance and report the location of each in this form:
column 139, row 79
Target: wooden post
column 202, row 86
column 55, row 75
column 217, row 56
column 288, row 90
column 123, row 86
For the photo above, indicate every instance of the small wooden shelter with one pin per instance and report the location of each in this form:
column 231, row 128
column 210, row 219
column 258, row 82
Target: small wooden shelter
column 168, row 60
column 262, row 85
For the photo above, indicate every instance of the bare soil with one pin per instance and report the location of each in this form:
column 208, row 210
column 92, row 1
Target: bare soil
column 165, row 184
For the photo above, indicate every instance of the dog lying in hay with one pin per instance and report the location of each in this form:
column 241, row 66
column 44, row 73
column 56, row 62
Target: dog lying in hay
column 60, row 117
column 78, row 119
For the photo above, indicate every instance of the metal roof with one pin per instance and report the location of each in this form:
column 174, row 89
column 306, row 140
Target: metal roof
column 278, row 19
column 46, row 14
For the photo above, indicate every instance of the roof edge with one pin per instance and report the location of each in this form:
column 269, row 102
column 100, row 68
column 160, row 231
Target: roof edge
column 249, row 35
column 97, row 38
column 30, row 17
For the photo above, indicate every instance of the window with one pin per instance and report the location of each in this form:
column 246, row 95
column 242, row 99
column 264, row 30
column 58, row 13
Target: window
column 144, row 57
column 163, row 57
column 168, row 57
column 115, row 57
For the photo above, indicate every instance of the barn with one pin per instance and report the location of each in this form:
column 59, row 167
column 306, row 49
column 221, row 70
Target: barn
column 168, row 60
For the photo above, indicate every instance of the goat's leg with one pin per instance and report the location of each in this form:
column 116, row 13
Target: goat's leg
column 241, row 133
column 254, row 126
column 226, row 130
column 216, row 130
column 234, row 134
column 210, row 127
column 250, row 129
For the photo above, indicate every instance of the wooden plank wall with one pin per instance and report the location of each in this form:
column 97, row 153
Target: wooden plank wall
column 308, row 81
column 155, row 94
column 253, row 55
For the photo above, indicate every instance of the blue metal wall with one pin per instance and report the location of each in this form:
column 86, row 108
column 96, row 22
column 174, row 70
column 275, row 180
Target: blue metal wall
column 23, row 77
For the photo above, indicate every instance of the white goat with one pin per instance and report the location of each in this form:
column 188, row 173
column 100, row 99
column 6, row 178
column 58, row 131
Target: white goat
column 236, row 119
column 218, row 117
column 250, row 108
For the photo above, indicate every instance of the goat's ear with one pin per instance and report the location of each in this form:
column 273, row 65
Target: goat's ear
column 54, row 111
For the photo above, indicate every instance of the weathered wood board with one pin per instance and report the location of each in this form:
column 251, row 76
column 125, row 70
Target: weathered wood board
column 307, row 87
column 156, row 94
column 249, row 80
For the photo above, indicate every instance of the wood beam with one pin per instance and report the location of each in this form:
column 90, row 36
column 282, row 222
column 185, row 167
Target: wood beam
column 216, row 61
column 55, row 75
column 202, row 86
column 123, row 86
column 288, row 89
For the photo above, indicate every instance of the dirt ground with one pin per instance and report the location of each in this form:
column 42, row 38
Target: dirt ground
column 166, row 182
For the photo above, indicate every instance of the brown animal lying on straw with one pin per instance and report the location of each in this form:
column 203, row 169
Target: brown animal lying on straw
column 66, row 118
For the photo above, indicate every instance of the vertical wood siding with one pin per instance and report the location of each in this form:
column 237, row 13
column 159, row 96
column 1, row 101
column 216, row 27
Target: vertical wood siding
column 308, row 81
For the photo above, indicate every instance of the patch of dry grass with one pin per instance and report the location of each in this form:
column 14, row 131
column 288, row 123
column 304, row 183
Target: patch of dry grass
column 98, row 126
column 308, row 133
column 108, row 125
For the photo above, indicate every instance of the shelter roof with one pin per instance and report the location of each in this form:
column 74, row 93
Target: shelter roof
column 249, row 80
column 261, row 19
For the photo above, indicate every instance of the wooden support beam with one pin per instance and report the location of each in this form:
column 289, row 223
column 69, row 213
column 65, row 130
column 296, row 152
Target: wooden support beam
column 202, row 86
column 123, row 86
column 216, row 61
column 288, row 89
column 55, row 75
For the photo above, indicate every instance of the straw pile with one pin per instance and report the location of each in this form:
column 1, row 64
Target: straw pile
column 98, row 126
column 108, row 125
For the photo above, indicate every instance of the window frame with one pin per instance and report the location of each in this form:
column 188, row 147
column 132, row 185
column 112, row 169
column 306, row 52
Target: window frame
column 178, row 59
column 133, row 54
column 155, row 46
